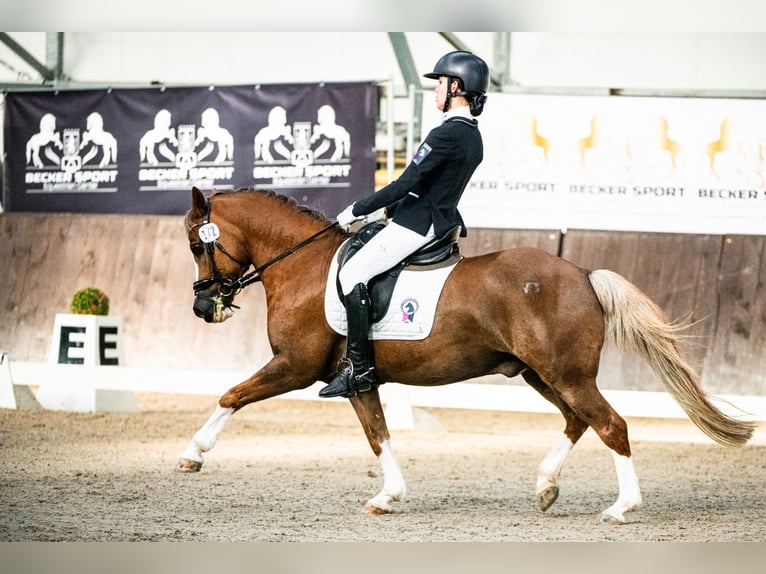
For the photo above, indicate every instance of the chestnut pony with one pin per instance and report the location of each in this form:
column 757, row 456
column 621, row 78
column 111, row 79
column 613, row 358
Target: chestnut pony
column 514, row 312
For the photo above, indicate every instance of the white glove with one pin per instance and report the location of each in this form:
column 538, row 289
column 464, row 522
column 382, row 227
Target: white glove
column 377, row 215
column 346, row 218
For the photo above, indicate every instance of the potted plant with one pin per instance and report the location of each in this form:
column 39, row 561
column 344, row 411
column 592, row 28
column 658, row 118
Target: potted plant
column 90, row 301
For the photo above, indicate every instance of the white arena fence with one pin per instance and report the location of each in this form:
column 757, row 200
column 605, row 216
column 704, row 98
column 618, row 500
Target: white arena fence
column 399, row 400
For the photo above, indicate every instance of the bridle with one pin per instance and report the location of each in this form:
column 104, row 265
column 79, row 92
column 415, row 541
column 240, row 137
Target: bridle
column 209, row 234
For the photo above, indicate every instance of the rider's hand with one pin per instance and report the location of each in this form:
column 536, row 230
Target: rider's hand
column 346, row 218
column 377, row 215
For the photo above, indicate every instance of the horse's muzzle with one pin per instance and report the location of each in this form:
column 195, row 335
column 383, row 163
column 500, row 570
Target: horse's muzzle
column 212, row 309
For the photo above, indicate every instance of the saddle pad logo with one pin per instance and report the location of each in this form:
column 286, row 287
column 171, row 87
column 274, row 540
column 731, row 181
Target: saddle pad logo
column 408, row 308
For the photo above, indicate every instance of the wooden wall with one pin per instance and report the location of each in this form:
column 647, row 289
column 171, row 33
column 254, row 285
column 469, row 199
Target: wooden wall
column 144, row 265
column 714, row 283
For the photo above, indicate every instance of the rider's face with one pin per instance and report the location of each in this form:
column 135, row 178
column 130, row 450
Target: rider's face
column 441, row 91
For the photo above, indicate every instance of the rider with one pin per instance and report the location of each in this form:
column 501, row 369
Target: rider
column 421, row 205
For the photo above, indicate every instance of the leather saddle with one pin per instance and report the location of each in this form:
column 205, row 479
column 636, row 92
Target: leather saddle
column 438, row 252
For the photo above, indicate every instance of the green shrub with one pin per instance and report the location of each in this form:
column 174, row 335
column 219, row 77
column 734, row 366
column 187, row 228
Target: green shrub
column 90, row 301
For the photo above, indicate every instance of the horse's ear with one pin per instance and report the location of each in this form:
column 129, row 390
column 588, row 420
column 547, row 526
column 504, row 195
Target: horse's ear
column 198, row 202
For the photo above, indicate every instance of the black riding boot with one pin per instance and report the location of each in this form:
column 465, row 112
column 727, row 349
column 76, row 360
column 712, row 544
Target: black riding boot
column 357, row 374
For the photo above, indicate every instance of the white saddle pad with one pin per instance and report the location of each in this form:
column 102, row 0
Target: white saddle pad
column 410, row 315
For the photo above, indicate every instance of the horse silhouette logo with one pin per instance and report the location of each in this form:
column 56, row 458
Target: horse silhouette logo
column 97, row 140
column 301, row 153
column 329, row 134
column 71, row 150
column 304, row 141
column 212, row 135
column 159, row 139
column 188, row 145
column 409, row 307
column 45, row 141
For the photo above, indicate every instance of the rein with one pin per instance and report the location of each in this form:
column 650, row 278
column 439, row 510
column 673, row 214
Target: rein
column 255, row 275
column 236, row 285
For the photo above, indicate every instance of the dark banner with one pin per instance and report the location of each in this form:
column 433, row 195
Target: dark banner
column 142, row 150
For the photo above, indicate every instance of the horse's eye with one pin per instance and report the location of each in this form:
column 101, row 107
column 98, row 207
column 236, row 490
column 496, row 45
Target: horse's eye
column 197, row 248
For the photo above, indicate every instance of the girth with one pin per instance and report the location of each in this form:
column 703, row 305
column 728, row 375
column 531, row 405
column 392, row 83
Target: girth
column 436, row 253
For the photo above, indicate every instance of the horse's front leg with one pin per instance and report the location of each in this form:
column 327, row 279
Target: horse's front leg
column 270, row 381
column 203, row 440
column 370, row 412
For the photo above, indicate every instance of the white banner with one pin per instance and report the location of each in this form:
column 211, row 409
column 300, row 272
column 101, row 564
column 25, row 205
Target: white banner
column 676, row 165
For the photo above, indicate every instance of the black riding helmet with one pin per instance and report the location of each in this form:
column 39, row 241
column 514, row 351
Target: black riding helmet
column 472, row 74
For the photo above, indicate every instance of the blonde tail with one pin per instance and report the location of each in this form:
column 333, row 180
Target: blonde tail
column 635, row 321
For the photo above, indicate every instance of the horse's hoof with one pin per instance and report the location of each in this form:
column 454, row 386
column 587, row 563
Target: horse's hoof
column 188, row 465
column 547, row 497
column 375, row 510
column 611, row 520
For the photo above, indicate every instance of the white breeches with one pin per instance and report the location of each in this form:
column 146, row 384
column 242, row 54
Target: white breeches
column 392, row 244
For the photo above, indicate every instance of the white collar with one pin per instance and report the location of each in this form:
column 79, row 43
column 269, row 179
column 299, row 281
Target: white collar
column 461, row 111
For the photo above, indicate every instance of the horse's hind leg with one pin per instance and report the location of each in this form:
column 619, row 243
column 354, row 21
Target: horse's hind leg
column 370, row 412
column 629, row 497
column 549, row 470
column 590, row 405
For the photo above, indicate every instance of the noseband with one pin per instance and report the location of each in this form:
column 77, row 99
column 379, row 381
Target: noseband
column 209, row 233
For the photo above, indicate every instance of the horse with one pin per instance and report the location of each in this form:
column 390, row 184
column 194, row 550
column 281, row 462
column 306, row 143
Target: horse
column 162, row 133
column 519, row 311
column 46, row 136
column 95, row 137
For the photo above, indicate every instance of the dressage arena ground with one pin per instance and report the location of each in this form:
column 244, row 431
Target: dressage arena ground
column 289, row 470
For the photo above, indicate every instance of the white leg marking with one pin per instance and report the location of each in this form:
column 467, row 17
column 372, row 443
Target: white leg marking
column 550, row 468
column 394, row 487
column 205, row 438
column 629, row 497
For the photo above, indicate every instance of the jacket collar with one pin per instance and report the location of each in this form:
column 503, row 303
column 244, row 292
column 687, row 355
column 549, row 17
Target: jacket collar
column 459, row 112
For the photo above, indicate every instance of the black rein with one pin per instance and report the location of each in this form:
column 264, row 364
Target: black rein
column 236, row 285
column 255, row 275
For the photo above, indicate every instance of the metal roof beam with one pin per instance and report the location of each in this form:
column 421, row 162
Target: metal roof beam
column 404, row 57
column 54, row 53
column 47, row 74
